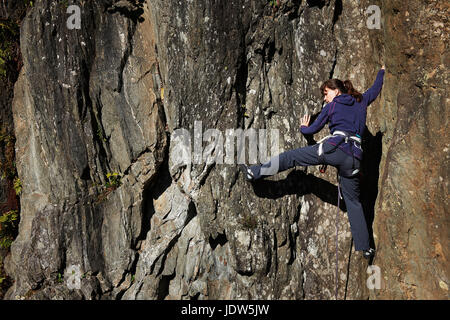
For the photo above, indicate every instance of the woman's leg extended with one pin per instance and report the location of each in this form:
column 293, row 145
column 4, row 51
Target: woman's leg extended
column 358, row 225
column 306, row 156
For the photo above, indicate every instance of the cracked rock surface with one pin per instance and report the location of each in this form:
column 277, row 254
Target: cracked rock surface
column 109, row 98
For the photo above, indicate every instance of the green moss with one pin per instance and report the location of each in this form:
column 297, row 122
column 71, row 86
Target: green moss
column 8, row 228
column 100, row 135
column 274, row 3
column 113, row 180
column 18, row 186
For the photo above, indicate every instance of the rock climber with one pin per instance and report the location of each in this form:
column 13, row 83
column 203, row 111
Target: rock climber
column 346, row 112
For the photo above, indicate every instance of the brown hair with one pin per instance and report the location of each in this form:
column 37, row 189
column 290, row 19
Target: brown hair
column 343, row 87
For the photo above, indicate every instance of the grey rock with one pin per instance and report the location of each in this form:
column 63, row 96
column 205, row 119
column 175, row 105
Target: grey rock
column 112, row 96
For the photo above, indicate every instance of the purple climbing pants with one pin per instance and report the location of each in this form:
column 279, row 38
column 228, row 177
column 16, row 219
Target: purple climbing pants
column 308, row 156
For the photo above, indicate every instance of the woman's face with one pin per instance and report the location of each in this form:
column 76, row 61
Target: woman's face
column 329, row 94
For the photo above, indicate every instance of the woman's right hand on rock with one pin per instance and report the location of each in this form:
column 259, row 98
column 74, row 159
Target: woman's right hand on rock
column 305, row 120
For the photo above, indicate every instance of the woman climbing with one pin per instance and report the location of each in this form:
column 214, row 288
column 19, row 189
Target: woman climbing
column 346, row 111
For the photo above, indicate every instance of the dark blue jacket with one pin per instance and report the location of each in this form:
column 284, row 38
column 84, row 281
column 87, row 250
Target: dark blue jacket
column 344, row 113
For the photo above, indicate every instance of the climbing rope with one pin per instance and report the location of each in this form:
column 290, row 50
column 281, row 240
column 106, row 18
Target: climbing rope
column 337, row 231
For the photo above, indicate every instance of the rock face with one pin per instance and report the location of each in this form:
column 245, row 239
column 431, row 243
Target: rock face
column 84, row 107
column 411, row 213
column 110, row 97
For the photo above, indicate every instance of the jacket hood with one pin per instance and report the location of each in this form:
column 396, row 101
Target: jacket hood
column 346, row 99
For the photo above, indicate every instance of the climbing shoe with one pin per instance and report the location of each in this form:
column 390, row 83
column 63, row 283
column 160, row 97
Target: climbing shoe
column 368, row 253
column 248, row 174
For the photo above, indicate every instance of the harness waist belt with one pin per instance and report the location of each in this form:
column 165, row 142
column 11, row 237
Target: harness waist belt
column 343, row 134
column 356, row 141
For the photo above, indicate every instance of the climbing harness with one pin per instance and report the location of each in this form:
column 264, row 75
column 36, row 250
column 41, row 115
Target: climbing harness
column 356, row 139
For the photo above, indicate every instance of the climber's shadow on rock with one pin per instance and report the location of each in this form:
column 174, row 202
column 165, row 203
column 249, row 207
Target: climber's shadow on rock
column 301, row 183
column 372, row 147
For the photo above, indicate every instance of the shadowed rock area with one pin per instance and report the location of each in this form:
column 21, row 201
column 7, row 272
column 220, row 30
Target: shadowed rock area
column 96, row 111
